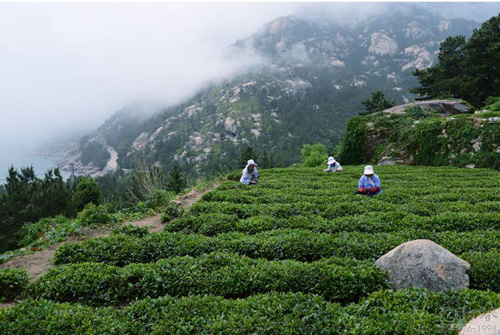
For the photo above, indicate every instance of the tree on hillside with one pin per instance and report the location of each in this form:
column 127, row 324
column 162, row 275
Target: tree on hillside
column 483, row 62
column 313, row 155
column 376, row 103
column 352, row 148
column 443, row 80
column 267, row 161
column 468, row 70
column 87, row 190
column 246, row 153
column 29, row 198
column 176, row 181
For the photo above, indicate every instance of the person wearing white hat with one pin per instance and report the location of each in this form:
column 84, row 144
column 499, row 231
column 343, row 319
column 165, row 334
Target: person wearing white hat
column 250, row 174
column 369, row 183
column 333, row 165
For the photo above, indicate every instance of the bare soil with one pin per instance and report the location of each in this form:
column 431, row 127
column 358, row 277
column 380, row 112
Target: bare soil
column 153, row 223
column 186, row 201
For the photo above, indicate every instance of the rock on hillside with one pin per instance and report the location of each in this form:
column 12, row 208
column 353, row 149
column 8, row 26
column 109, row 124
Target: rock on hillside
column 435, row 132
column 444, row 107
column 424, row 264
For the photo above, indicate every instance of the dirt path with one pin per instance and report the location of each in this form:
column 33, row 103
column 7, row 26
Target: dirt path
column 153, row 223
column 38, row 263
column 35, row 264
column 186, row 201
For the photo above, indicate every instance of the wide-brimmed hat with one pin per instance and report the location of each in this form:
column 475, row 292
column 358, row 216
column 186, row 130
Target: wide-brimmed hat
column 331, row 160
column 251, row 162
column 369, row 170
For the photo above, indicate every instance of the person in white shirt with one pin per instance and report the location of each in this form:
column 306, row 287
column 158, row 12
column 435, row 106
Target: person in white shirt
column 250, row 174
column 333, row 166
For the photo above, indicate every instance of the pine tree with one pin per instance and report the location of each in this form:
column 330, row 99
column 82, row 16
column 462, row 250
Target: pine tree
column 246, row 154
column 176, row 181
column 28, row 199
column 376, row 103
column 467, row 69
column 87, row 190
column 267, row 161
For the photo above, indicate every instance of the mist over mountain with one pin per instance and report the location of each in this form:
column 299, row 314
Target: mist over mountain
column 477, row 11
column 309, row 75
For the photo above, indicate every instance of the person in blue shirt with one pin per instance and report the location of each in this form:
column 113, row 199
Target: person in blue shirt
column 369, row 183
column 333, row 165
column 250, row 174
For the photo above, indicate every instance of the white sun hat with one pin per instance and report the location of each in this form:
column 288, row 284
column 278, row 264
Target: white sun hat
column 331, row 160
column 369, row 169
column 251, row 162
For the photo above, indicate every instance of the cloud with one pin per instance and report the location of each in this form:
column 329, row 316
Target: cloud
column 67, row 67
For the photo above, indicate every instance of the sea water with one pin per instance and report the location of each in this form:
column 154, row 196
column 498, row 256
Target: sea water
column 40, row 162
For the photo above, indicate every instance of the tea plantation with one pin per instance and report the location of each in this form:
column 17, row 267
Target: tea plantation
column 292, row 255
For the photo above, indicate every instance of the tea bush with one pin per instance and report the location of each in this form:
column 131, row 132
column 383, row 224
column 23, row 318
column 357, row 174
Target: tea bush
column 293, row 254
column 227, row 275
column 13, row 283
column 411, row 311
column 297, row 244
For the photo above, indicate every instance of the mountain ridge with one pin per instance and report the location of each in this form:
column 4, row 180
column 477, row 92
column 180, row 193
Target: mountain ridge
column 311, row 82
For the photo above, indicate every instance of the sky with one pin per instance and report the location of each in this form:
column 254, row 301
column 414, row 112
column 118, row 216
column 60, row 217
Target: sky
column 66, row 67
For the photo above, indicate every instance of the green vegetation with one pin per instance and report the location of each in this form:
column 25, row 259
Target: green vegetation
column 313, row 155
column 176, row 181
column 384, row 312
column 227, row 275
column 376, row 103
column 87, row 191
column 467, row 69
column 28, row 199
column 423, row 137
column 32, row 237
column 492, row 104
column 352, row 149
column 93, row 152
column 13, row 282
column 299, row 240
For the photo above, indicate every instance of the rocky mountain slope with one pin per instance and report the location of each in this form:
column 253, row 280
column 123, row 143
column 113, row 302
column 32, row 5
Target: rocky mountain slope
column 312, row 78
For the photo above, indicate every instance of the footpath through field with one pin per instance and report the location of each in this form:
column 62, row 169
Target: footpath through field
column 38, row 263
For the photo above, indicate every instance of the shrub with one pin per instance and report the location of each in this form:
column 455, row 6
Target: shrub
column 158, row 199
column 277, row 244
column 492, row 104
column 47, row 230
column 412, row 311
column 172, row 211
column 49, row 318
column 485, row 270
column 352, row 148
column 313, row 155
column 13, row 282
column 94, row 215
column 227, row 275
column 130, row 230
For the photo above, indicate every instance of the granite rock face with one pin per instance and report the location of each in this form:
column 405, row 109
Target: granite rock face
column 424, row 264
column 447, row 107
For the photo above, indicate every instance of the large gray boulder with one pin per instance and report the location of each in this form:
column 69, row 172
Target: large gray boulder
column 485, row 324
column 424, row 264
column 446, row 107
